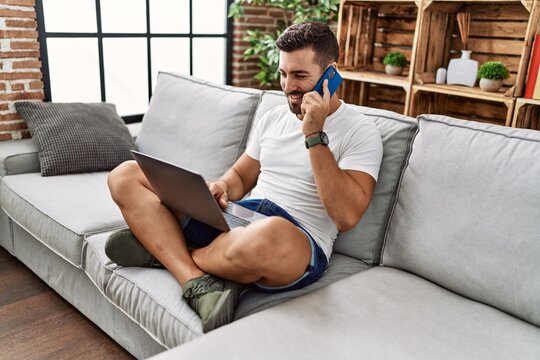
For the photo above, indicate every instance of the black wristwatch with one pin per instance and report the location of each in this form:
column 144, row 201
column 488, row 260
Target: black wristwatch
column 320, row 138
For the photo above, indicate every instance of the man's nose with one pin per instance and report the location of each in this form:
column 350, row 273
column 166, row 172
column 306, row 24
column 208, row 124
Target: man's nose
column 288, row 84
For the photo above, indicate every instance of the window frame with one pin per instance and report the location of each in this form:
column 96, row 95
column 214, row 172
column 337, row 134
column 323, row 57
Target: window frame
column 43, row 35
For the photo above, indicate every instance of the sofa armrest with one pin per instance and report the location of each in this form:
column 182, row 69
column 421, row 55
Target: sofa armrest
column 18, row 157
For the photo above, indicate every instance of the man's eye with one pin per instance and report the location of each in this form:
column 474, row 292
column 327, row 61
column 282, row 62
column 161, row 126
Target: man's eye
column 301, row 76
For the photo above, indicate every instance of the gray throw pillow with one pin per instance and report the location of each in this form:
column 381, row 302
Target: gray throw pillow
column 76, row 137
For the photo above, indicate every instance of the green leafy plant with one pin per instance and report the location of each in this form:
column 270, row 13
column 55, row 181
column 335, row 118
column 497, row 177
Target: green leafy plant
column 263, row 45
column 395, row 59
column 493, row 70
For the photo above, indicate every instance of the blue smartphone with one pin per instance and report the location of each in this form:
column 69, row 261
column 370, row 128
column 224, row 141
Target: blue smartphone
column 334, row 79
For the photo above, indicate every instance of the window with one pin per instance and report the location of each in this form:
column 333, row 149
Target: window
column 112, row 50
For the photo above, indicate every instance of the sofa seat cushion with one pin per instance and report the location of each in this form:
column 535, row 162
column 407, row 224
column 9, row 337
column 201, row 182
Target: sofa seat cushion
column 467, row 213
column 381, row 313
column 152, row 297
column 61, row 211
column 339, row 267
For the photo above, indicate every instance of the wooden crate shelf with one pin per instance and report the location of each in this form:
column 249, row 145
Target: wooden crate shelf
column 376, row 78
column 501, row 30
column 374, row 95
column 463, row 91
column 426, row 32
column 527, row 114
column 468, row 108
column 367, row 31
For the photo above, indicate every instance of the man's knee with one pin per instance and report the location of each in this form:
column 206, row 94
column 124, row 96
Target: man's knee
column 122, row 178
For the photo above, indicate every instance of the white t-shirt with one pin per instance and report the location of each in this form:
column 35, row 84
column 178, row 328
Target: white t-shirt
column 286, row 177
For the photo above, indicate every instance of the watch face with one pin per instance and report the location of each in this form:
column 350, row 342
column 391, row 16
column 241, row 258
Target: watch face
column 324, row 138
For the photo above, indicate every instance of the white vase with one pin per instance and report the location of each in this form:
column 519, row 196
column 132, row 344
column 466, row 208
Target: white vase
column 393, row 70
column 490, row 85
column 462, row 71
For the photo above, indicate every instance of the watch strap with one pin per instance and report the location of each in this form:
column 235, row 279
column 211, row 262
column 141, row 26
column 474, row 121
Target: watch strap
column 316, row 140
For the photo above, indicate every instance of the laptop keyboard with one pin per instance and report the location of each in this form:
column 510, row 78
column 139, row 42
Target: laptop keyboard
column 235, row 221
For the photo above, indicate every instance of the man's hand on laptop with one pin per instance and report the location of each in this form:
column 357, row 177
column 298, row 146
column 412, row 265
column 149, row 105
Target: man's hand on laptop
column 219, row 191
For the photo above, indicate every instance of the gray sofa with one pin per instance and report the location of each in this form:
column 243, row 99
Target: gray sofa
column 444, row 264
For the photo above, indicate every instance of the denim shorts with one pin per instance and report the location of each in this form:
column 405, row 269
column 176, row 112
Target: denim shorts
column 198, row 234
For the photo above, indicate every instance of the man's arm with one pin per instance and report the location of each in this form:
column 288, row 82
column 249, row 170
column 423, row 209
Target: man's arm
column 237, row 181
column 345, row 194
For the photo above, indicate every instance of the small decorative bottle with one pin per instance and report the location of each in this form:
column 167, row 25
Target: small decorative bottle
column 462, row 71
column 440, row 78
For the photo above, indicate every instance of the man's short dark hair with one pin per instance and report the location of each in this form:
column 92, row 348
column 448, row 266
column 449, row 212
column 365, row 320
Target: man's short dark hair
column 314, row 35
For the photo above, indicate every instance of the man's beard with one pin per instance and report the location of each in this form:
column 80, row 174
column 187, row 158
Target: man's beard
column 295, row 108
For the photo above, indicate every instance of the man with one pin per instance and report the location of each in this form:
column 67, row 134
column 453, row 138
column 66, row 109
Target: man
column 310, row 190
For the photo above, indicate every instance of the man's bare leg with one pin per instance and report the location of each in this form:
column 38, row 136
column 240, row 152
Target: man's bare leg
column 273, row 252
column 151, row 222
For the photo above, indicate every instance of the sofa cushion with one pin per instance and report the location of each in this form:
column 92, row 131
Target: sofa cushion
column 196, row 124
column 61, row 210
column 76, row 137
column 365, row 240
column 152, row 297
column 21, row 156
column 467, row 214
column 381, row 313
column 269, row 100
column 339, row 267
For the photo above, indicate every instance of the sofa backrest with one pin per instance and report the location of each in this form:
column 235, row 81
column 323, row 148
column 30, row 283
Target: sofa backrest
column 196, row 124
column 269, row 99
column 365, row 240
column 467, row 216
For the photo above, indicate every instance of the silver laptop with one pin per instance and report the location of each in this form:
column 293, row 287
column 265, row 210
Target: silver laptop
column 186, row 192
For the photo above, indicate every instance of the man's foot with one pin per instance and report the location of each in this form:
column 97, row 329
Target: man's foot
column 123, row 248
column 214, row 299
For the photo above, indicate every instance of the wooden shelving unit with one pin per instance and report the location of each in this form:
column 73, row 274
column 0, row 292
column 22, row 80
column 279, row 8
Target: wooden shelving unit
column 426, row 32
column 527, row 114
column 367, row 31
column 459, row 102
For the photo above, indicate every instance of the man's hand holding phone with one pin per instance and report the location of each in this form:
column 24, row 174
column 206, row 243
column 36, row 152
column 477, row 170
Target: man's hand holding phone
column 219, row 191
column 315, row 109
column 316, row 104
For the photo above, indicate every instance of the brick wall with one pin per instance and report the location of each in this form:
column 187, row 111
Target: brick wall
column 255, row 18
column 20, row 68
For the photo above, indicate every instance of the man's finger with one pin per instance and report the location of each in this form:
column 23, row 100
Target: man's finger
column 223, row 200
column 326, row 92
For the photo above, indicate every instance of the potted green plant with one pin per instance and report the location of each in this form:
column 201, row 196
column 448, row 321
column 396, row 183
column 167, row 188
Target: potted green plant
column 491, row 75
column 394, row 63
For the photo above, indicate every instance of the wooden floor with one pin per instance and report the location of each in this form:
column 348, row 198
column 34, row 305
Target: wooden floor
column 36, row 323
